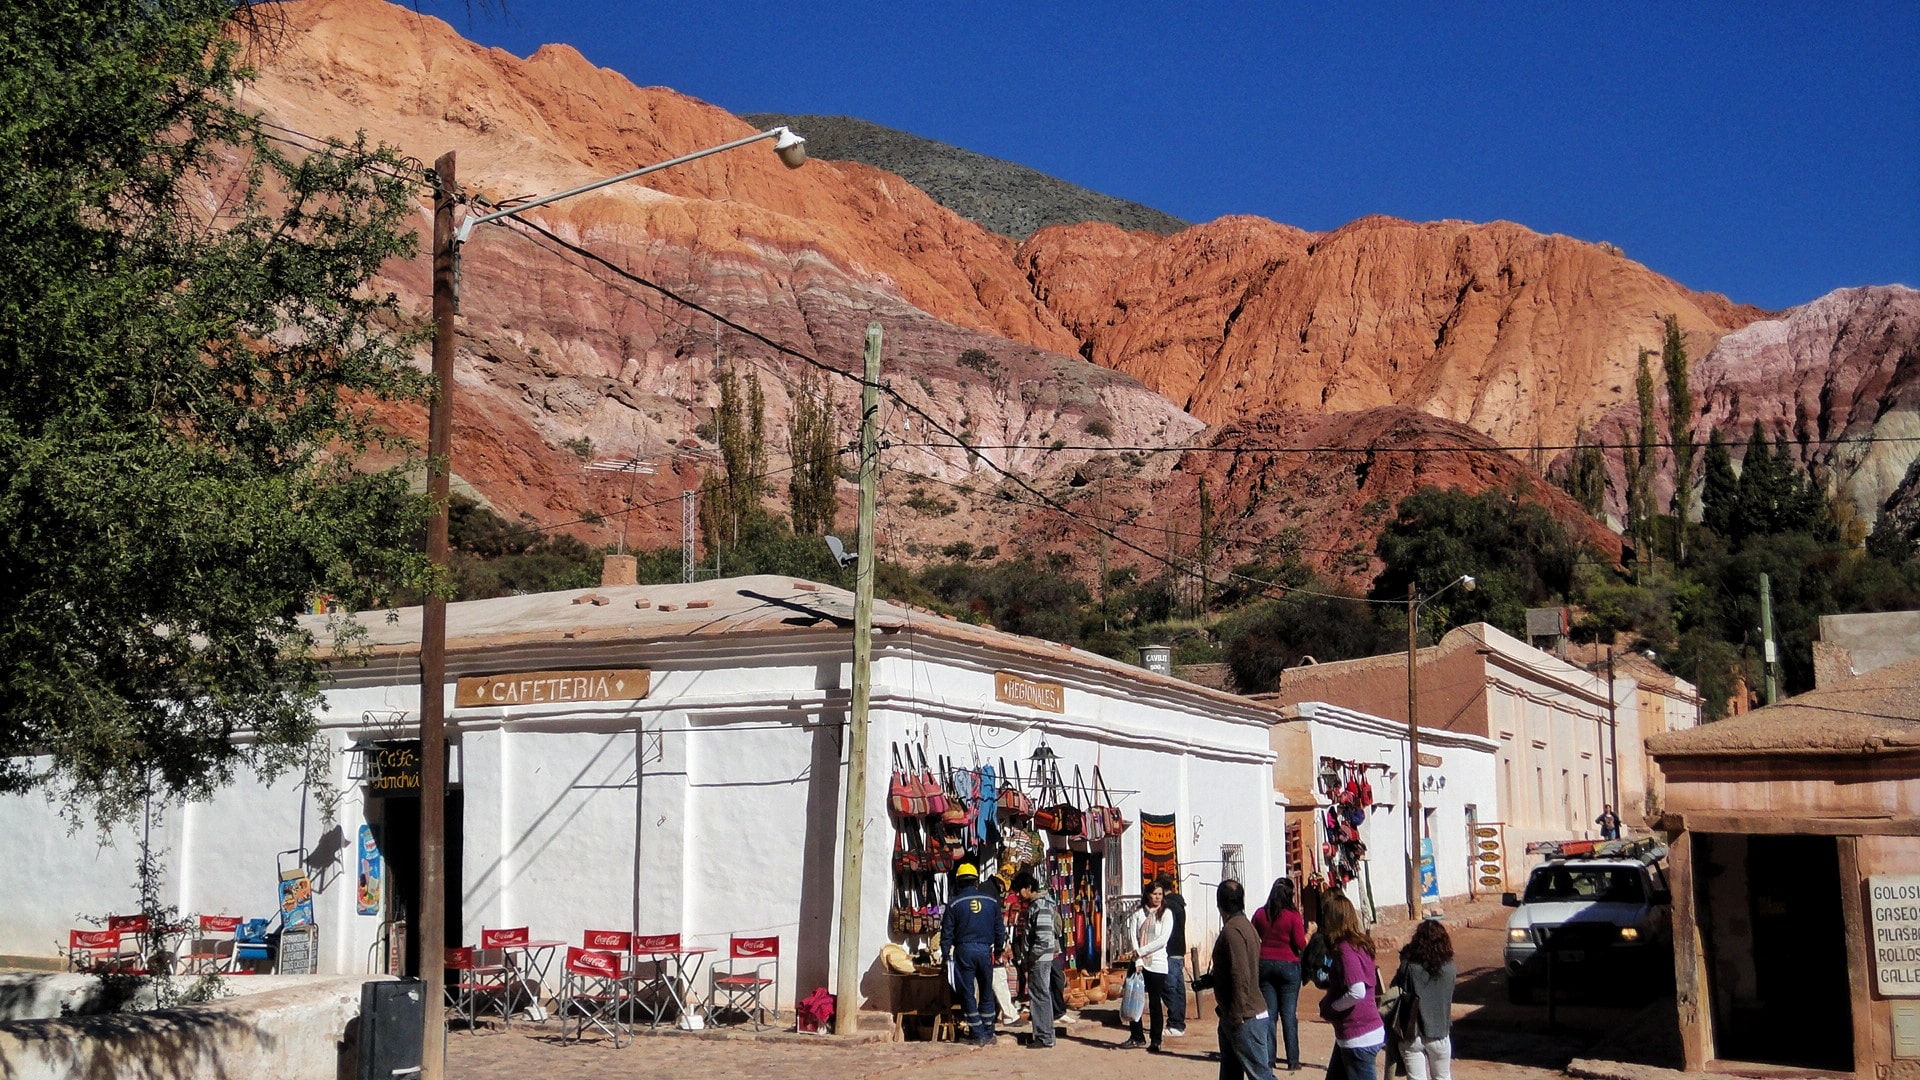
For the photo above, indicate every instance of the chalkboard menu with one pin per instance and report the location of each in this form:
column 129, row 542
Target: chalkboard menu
column 299, row 950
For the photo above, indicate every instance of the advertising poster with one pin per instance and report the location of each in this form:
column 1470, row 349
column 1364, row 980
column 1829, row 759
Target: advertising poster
column 296, row 898
column 367, row 899
column 1429, row 877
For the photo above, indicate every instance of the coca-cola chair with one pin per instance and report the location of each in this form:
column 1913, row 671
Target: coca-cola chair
column 745, row 983
column 595, row 991
column 480, row 984
column 210, row 949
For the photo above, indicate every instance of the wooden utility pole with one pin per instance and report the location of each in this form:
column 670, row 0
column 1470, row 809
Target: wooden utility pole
column 853, row 838
column 1771, row 654
column 1414, row 824
column 433, row 638
column 1613, row 731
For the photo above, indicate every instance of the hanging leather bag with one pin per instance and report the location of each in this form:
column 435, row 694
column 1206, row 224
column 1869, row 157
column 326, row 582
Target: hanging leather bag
column 903, row 791
column 1115, row 822
column 933, row 795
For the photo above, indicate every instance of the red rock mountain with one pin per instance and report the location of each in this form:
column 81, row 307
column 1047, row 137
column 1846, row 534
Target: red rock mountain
column 1340, row 339
column 1521, row 336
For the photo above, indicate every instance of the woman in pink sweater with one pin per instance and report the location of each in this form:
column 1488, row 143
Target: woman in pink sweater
column 1352, row 1003
column 1283, row 934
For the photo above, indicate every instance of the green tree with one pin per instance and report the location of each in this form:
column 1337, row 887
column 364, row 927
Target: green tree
column 189, row 353
column 1269, row 637
column 1642, row 466
column 1720, row 490
column 1586, row 477
column 813, row 442
column 1673, row 360
column 731, row 498
column 1517, row 553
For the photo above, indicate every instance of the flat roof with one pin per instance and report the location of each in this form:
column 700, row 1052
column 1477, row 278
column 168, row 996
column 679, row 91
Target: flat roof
column 1876, row 713
column 768, row 603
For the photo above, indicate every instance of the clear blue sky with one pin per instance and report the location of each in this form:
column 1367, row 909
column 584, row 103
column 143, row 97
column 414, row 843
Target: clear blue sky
column 1765, row 150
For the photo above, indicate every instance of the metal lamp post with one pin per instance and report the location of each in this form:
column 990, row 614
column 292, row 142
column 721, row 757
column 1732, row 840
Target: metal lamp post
column 447, row 240
column 1417, row 825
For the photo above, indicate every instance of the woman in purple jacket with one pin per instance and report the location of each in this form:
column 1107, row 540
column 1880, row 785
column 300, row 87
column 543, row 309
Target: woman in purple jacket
column 1352, row 1003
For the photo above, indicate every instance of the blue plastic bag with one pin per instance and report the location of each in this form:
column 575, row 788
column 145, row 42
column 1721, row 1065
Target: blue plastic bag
column 1133, row 998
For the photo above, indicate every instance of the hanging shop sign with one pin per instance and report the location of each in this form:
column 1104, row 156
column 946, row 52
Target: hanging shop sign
column 1489, row 863
column 393, row 768
column 1017, row 690
column 552, row 687
column 1893, row 928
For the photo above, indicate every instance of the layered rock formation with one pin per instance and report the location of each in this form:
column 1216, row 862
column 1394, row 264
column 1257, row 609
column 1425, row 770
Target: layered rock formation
column 562, row 359
column 1839, row 378
column 1521, row 336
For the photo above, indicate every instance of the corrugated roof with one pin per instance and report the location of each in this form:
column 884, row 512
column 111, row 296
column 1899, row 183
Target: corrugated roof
column 1877, row 713
column 713, row 608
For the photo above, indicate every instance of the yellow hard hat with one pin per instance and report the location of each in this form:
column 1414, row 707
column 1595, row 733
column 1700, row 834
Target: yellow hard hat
column 966, row 869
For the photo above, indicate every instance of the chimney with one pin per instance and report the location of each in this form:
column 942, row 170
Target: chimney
column 620, row 570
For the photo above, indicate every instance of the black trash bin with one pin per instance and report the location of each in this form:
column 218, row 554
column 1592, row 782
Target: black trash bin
column 393, row 1024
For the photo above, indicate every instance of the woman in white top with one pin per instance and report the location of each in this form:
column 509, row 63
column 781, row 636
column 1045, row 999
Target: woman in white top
column 1152, row 928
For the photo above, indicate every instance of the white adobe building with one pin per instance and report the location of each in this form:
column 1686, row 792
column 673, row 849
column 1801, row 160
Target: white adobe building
column 1457, row 793
column 699, row 792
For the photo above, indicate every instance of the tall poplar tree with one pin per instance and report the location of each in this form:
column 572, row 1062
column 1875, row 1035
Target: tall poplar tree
column 813, row 443
column 1673, row 360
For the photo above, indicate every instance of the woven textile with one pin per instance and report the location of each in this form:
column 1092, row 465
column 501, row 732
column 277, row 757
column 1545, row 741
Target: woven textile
column 1159, row 848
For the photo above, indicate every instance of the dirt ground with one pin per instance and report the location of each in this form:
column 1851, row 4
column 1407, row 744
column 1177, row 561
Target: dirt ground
column 1493, row 1040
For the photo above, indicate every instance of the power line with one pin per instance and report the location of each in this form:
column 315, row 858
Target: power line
column 1377, row 448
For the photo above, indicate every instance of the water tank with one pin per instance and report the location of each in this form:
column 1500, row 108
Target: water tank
column 1157, row 658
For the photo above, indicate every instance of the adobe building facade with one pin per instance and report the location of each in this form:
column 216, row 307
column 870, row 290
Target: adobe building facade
column 664, row 759
column 1566, row 741
column 1794, row 838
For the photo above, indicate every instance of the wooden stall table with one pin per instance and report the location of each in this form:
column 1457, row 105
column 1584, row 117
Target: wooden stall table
column 923, row 1006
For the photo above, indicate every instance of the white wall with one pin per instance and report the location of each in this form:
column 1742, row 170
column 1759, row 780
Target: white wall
column 1465, row 776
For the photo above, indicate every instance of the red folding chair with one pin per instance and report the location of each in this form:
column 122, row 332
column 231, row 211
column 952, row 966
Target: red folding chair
column 479, row 983
column 742, row 985
column 91, row 950
column 133, row 960
column 658, row 990
column 211, row 950
column 511, row 943
column 594, row 992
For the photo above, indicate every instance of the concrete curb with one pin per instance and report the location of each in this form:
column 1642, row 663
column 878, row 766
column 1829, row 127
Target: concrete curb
column 1594, row 1069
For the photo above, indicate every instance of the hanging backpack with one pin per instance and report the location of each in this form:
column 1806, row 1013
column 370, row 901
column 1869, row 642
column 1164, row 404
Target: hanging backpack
column 1316, row 963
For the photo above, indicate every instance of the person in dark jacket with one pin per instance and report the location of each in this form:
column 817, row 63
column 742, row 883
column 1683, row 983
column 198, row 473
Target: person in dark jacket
column 1428, row 963
column 1246, row 1038
column 973, row 933
column 1176, row 959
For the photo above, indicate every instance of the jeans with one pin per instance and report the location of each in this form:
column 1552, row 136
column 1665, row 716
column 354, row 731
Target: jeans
column 1280, row 985
column 1349, row 1064
column 1176, row 991
column 1246, row 1050
column 973, row 971
column 1041, row 977
column 1003, row 995
column 1428, row 1059
column 1156, row 1006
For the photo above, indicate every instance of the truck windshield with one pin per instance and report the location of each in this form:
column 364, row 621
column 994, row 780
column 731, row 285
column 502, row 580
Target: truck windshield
column 1616, row 884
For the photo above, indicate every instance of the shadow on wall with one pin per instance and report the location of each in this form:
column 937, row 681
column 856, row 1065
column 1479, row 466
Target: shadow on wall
column 291, row 1033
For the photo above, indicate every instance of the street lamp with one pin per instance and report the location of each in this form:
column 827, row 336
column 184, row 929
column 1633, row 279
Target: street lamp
column 447, row 240
column 1414, row 601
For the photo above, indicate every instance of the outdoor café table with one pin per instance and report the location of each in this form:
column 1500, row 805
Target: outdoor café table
column 676, row 968
column 530, row 957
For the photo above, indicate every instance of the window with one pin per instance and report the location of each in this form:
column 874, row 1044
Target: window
column 1232, row 863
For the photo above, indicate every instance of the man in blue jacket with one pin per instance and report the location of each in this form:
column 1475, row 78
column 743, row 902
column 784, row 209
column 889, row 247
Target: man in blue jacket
column 973, row 934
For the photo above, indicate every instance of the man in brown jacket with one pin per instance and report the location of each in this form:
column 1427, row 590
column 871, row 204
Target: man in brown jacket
column 1246, row 1032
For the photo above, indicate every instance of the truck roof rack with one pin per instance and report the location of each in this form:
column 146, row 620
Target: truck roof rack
column 1645, row 851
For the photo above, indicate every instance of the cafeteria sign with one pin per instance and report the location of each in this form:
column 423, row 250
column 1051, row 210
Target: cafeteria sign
column 552, row 687
column 1015, row 690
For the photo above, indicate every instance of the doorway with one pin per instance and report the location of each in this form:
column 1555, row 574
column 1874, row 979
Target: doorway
column 1775, row 949
column 398, row 833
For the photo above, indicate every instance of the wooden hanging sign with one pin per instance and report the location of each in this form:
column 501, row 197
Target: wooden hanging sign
column 552, row 687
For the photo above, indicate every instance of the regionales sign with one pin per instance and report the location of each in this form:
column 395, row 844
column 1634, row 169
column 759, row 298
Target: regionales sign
column 552, row 687
column 1017, row 690
column 1893, row 932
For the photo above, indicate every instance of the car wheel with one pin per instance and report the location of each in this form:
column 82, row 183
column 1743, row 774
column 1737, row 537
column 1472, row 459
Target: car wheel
column 1519, row 990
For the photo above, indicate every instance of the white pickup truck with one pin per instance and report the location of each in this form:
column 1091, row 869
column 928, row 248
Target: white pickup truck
column 1597, row 921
